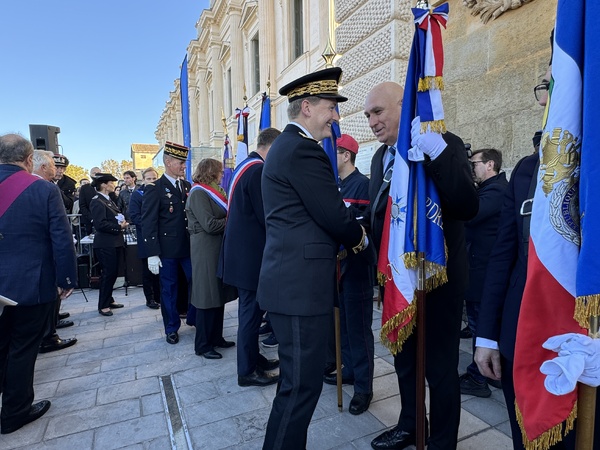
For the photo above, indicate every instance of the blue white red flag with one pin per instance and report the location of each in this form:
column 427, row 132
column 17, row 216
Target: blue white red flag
column 227, row 164
column 265, row 112
column 413, row 220
column 185, row 115
column 242, row 134
column 548, row 306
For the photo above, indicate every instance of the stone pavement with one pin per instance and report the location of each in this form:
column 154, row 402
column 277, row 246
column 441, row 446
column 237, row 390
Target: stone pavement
column 107, row 392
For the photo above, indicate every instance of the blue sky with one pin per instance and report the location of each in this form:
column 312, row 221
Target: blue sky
column 101, row 71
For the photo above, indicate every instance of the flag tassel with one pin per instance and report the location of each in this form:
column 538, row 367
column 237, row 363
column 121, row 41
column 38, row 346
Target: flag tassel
column 586, row 306
column 397, row 324
column 549, row 437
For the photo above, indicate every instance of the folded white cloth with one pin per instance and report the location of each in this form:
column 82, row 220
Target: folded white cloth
column 578, row 360
column 429, row 143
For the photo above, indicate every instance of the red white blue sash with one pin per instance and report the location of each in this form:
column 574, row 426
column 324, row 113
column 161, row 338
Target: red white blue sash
column 239, row 171
column 215, row 195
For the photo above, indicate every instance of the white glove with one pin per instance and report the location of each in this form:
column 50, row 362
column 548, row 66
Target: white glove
column 429, row 143
column 578, row 360
column 154, row 264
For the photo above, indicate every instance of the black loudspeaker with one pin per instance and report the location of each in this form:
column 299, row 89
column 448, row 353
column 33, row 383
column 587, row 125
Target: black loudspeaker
column 44, row 137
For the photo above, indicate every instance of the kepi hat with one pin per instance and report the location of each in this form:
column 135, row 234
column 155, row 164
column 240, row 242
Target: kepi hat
column 60, row 160
column 347, row 142
column 176, row 151
column 323, row 84
column 102, row 178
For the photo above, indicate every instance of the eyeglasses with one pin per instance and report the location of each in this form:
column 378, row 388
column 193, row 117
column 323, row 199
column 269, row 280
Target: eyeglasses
column 540, row 90
column 474, row 163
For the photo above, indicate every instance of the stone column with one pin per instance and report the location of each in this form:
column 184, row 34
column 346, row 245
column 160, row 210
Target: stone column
column 266, row 41
column 217, row 85
column 237, row 60
column 203, row 108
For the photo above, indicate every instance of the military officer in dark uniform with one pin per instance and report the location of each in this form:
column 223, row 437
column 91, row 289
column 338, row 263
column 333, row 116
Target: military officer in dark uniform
column 356, row 287
column 109, row 242
column 306, row 221
column 64, row 182
column 241, row 257
column 164, row 228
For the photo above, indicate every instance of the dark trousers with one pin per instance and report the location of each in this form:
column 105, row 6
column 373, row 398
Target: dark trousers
column 472, row 315
column 169, row 289
column 51, row 336
column 21, row 332
column 301, row 363
column 249, row 318
column 109, row 259
column 150, row 283
column 358, row 344
column 443, row 309
column 209, row 328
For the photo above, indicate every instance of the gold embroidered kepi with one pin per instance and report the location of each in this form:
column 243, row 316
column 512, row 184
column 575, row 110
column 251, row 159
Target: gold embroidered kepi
column 322, row 84
column 176, row 150
column 60, row 160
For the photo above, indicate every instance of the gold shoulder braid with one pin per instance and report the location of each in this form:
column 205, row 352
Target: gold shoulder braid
column 363, row 242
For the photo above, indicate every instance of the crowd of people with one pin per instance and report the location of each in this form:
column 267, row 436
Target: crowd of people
column 288, row 239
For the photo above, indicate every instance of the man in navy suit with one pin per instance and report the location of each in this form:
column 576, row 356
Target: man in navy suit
column 306, row 221
column 241, row 257
column 447, row 165
column 37, row 261
column 166, row 238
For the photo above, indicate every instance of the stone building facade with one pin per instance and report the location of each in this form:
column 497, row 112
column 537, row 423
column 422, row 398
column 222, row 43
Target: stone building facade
column 490, row 68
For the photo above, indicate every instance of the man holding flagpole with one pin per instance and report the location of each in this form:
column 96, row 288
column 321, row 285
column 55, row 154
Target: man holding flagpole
column 429, row 196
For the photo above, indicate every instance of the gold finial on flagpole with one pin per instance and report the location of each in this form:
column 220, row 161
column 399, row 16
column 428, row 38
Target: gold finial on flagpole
column 328, row 54
column 223, row 121
column 269, row 82
column 245, row 96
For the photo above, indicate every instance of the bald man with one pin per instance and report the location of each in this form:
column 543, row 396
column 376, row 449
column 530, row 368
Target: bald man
column 446, row 164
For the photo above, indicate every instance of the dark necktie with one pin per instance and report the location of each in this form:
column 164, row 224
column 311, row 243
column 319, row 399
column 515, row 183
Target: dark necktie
column 390, row 165
column 177, row 185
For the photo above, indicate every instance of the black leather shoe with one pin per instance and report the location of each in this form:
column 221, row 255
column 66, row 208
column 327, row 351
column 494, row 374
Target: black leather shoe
column 152, row 305
column 36, row 411
column 257, row 378
column 64, row 324
column 173, row 338
column 225, row 344
column 332, row 379
column 62, row 316
column 265, row 364
column 211, row 354
column 394, row 439
column 116, row 306
column 105, row 313
column 360, row 403
column 57, row 344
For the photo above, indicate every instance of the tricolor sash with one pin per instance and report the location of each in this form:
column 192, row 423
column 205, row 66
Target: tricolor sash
column 237, row 174
column 215, row 195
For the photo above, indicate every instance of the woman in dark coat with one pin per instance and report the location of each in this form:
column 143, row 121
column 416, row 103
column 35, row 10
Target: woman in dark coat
column 206, row 210
column 109, row 244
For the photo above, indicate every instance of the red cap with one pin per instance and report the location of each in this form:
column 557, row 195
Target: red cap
column 347, row 142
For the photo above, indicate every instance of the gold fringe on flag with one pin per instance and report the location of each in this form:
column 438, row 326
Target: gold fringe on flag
column 403, row 333
column 428, row 83
column 240, row 138
column 586, row 306
column 437, row 126
column 550, row 437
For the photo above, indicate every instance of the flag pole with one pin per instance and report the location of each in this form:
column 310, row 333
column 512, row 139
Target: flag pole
column 421, row 295
column 328, row 55
column 586, row 402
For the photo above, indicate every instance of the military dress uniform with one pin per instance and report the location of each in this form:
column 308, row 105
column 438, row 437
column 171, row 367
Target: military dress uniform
column 306, row 220
column 164, row 227
column 109, row 242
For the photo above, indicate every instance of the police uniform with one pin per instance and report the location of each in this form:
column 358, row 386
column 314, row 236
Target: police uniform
column 306, row 220
column 109, row 243
column 164, row 228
